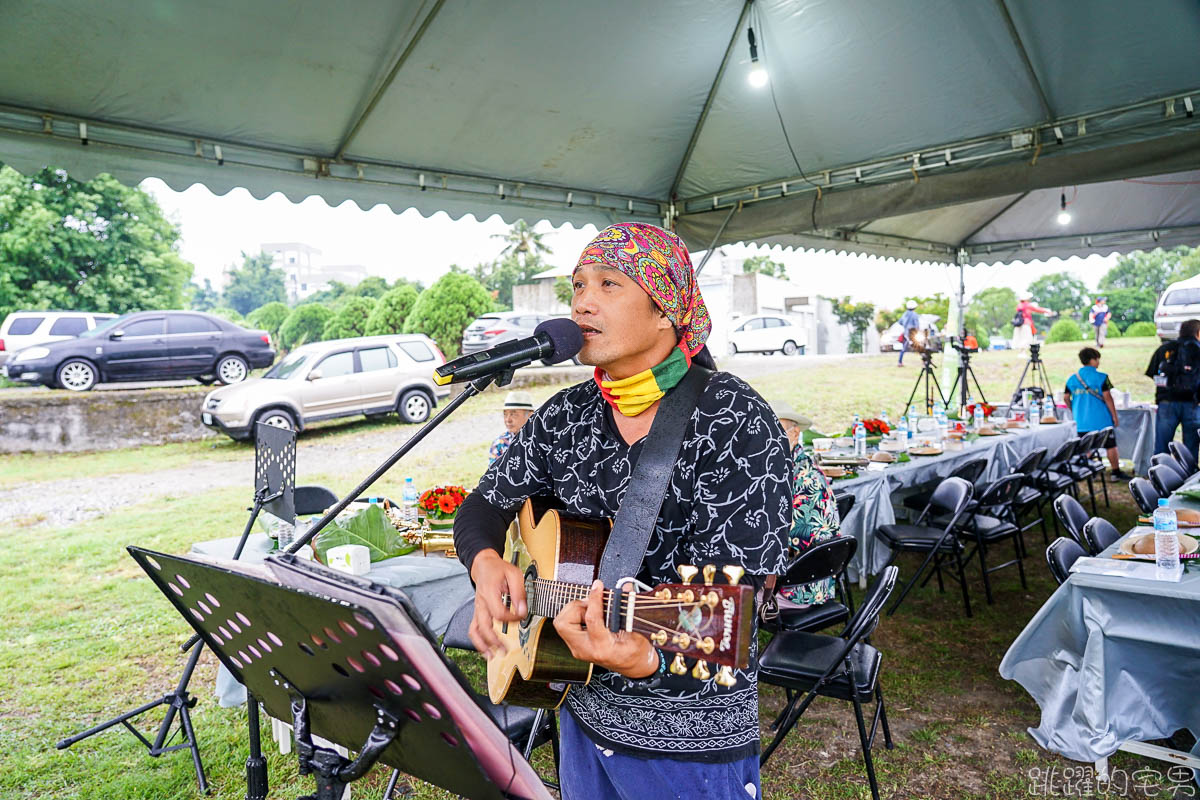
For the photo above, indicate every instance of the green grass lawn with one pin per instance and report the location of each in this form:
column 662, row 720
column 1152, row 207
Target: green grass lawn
column 86, row 635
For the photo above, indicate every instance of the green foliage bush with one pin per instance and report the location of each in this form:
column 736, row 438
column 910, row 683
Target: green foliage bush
column 255, row 283
column 1140, row 329
column 350, row 320
column 1114, row 330
column 230, row 314
column 305, row 324
column 1065, row 330
column 391, row 311
column 269, row 318
column 445, row 309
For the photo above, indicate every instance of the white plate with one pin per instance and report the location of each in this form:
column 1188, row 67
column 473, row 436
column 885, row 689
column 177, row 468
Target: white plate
column 1187, row 544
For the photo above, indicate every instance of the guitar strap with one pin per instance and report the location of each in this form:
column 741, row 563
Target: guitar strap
column 643, row 500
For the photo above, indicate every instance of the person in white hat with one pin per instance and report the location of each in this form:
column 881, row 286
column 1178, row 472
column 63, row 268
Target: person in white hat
column 909, row 323
column 518, row 408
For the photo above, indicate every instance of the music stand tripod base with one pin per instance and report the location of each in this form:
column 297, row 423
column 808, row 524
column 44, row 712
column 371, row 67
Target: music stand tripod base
column 274, row 489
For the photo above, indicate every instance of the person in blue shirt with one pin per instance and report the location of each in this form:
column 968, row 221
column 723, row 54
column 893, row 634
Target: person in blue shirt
column 909, row 323
column 1090, row 392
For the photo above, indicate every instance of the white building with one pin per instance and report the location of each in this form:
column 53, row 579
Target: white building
column 303, row 273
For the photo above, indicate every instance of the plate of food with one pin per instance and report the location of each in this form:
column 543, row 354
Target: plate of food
column 1140, row 544
column 989, row 430
column 1049, row 420
column 1185, row 518
column 925, row 451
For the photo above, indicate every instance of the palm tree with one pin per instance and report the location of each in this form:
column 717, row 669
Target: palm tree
column 523, row 242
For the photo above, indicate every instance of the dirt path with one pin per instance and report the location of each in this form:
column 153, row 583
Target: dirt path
column 64, row 502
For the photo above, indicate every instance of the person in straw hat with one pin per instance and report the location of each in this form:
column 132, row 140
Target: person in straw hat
column 518, row 408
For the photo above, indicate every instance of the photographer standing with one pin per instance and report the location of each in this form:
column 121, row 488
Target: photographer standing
column 1022, row 321
column 1175, row 368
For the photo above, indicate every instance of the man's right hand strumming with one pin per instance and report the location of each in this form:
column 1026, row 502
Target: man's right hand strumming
column 495, row 579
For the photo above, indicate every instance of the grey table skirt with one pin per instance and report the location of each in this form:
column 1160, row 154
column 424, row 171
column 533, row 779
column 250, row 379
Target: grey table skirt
column 437, row 587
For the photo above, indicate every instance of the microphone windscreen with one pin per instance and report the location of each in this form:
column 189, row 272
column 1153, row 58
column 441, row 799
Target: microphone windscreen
column 565, row 338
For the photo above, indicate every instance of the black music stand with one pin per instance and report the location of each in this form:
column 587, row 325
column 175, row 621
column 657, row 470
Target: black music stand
column 348, row 660
column 274, row 489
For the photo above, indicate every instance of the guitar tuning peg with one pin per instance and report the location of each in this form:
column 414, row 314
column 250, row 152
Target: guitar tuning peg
column 725, row 677
column 700, row 671
column 659, row 638
column 707, row 645
column 686, row 572
column 733, row 573
column 677, row 665
column 710, row 572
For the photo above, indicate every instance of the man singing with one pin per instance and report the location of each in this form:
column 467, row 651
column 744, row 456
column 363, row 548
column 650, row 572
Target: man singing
column 637, row 730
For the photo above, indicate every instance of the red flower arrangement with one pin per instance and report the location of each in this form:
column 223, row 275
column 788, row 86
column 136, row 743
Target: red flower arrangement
column 442, row 502
column 875, row 427
column 988, row 409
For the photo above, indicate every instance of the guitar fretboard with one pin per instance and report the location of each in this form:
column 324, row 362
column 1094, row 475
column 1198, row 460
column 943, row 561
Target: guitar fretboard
column 549, row 597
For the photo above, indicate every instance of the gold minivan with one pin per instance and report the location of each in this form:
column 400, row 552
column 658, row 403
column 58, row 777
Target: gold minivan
column 371, row 375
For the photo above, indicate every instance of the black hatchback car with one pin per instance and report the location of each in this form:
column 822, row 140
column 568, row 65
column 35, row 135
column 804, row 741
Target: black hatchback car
column 146, row 345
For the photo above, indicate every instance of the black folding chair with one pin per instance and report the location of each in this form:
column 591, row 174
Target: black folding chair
column 1072, row 516
column 990, row 522
column 970, row 471
column 527, row 728
column 1060, row 555
column 1168, row 461
column 1054, row 476
column 823, row 560
column 313, row 500
column 843, row 667
column 1144, row 494
column 1093, row 460
column 1099, row 534
column 938, row 542
column 1185, row 457
column 1029, row 496
column 1166, row 480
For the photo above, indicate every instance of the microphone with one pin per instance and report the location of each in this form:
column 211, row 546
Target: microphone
column 553, row 341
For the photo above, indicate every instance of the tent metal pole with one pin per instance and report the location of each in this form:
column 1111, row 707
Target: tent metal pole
column 1020, row 45
column 708, row 101
column 961, row 258
column 716, row 236
column 387, row 82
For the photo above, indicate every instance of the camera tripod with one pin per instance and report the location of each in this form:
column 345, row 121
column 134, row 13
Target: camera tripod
column 929, row 379
column 1039, row 380
column 961, row 377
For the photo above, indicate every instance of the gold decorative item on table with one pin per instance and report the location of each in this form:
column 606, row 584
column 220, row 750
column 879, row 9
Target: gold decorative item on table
column 421, row 536
column 438, row 542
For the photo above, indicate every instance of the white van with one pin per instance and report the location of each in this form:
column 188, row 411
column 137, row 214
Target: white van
column 1180, row 301
column 27, row 328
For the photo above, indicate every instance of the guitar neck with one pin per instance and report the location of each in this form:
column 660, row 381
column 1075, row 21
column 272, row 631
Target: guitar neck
column 550, row 597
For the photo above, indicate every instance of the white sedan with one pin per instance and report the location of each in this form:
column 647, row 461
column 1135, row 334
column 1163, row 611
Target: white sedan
column 767, row 333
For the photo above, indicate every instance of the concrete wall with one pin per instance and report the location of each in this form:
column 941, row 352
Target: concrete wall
column 538, row 297
column 63, row 422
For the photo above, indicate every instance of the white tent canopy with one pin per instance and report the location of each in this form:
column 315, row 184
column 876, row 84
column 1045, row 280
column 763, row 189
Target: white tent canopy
column 933, row 129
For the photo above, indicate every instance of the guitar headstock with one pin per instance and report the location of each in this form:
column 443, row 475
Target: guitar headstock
column 708, row 621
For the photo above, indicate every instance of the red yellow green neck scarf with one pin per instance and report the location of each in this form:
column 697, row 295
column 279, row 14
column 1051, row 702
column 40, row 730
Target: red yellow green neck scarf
column 633, row 395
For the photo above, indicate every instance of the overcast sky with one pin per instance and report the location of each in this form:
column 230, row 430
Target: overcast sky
column 217, row 228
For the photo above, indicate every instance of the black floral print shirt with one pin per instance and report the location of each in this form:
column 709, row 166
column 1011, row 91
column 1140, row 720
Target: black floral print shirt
column 728, row 502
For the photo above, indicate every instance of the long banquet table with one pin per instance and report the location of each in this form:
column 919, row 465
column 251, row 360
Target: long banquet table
column 1113, row 662
column 873, row 490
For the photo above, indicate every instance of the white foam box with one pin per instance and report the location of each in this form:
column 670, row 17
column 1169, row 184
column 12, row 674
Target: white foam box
column 352, row 558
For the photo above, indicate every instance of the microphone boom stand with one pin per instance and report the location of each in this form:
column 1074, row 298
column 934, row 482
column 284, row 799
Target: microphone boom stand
column 472, row 389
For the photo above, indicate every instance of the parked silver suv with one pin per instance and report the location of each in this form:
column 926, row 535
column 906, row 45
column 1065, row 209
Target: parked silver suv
column 371, row 375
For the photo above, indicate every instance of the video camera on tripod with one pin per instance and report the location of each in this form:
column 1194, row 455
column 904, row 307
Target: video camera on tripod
column 926, row 341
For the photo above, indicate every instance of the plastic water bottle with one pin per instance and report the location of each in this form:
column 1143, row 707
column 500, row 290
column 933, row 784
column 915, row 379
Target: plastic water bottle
column 1166, row 540
column 884, row 418
column 860, row 440
column 939, row 416
column 854, row 425
column 978, row 416
column 408, row 503
column 904, row 433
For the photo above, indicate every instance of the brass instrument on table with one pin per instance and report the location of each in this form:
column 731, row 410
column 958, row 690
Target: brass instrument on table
column 438, row 542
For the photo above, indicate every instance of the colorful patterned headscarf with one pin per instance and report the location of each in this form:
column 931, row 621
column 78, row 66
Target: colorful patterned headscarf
column 658, row 260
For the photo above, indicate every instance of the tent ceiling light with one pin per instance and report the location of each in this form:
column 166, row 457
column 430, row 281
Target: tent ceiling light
column 1064, row 216
column 758, row 73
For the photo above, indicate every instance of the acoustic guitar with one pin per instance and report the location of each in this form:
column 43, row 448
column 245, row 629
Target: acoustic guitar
column 560, row 553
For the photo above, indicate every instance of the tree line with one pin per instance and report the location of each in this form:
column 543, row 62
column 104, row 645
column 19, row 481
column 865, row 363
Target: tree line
column 98, row 245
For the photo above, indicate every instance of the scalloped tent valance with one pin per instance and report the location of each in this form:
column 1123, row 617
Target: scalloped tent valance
column 932, row 129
